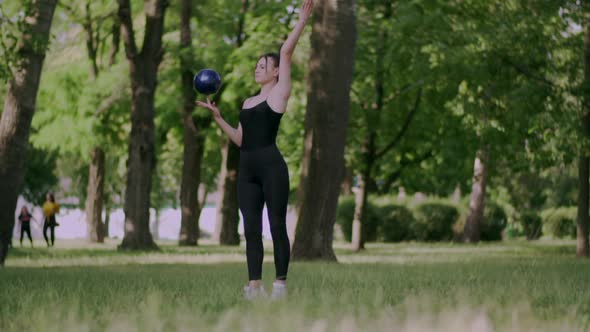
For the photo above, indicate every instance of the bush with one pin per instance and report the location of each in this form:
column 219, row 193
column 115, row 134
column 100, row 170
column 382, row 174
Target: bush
column 531, row 225
column 513, row 231
column 345, row 214
column 560, row 222
column 434, row 221
column 493, row 224
column 396, row 223
column 495, row 220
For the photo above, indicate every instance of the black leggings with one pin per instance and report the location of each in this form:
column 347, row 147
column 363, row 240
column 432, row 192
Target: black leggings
column 264, row 177
column 51, row 225
column 25, row 228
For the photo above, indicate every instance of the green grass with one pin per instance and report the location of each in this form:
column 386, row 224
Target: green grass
column 515, row 286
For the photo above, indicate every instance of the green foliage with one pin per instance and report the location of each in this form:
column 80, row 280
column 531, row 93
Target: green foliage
column 560, row 222
column 167, row 177
column 17, row 38
column 492, row 226
column 434, row 221
column 391, row 67
column 9, row 24
column 498, row 74
column 94, row 112
column 40, row 174
column 531, row 224
column 494, row 223
column 75, row 114
column 562, row 187
column 395, row 223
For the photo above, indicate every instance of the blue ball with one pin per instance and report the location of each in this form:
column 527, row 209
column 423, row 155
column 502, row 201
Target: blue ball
column 207, row 81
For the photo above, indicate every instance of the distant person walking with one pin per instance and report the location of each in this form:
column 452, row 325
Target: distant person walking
column 25, row 224
column 50, row 209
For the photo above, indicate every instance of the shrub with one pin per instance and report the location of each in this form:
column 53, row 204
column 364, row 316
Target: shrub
column 495, row 220
column 345, row 214
column 434, row 221
column 560, row 222
column 493, row 224
column 531, row 225
column 396, row 223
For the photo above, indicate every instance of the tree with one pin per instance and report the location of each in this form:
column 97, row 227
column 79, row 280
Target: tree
column 93, row 19
column 19, row 107
column 472, row 229
column 331, row 63
column 143, row 70
column 583, row 218
column 375, row 88
column 509, row 101
column 193, row 136
column 227, row 217
column 40, row 176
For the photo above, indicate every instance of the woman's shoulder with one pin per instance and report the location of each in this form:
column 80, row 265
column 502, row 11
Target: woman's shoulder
column 247, row 101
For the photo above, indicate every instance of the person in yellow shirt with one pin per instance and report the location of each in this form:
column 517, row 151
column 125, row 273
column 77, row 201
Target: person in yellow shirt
column 50, row 209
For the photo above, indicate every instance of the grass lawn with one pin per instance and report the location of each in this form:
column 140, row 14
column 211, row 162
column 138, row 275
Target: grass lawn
column 513, row 286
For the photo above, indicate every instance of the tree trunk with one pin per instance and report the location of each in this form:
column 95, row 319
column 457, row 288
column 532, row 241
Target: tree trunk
column 472, row 229
column 372, row 117
column 95, row 196
column 347, row 182
column 331, row 64
column 156, row 226
column 583, row 198
column 194, row 145
column 96, row 173
column 227, row 215
column 304, row 167
column 19, row 107
column 116, row 40
column 456, row 195
column 194, row 141
column 91, row 41
column 107, row 218
column 360, row 204
column 143, row 70
column 369, row 149
column 583, row 219
column 362, row 194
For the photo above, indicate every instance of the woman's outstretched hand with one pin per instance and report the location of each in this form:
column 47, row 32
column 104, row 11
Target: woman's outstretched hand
column 210, row 106
column 306, row 9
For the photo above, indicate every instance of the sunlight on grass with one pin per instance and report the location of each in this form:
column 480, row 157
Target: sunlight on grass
column 153, row 314
column 401, row 287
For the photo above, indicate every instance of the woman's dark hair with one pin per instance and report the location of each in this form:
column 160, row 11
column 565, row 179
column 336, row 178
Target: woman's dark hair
column 271, row 55
column 51, row 197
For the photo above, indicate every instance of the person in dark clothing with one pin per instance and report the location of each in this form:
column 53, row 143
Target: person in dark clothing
column 25, row 224
column 263, row 177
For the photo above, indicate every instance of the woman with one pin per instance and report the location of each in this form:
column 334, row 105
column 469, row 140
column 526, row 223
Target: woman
column 25, row 224
column 263, row 174
column 50, row 208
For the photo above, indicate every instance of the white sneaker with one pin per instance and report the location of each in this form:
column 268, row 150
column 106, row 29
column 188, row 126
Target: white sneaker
column 251, row 293
column 279, row 291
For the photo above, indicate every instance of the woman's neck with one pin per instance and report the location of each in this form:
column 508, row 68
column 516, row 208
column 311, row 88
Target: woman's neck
column 265, row 89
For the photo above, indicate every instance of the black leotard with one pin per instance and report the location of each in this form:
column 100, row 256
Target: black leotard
column 263, row 178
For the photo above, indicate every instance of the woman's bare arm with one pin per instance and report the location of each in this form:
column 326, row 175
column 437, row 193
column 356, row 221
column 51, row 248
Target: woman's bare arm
column 235, row 134
column 283, row 88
